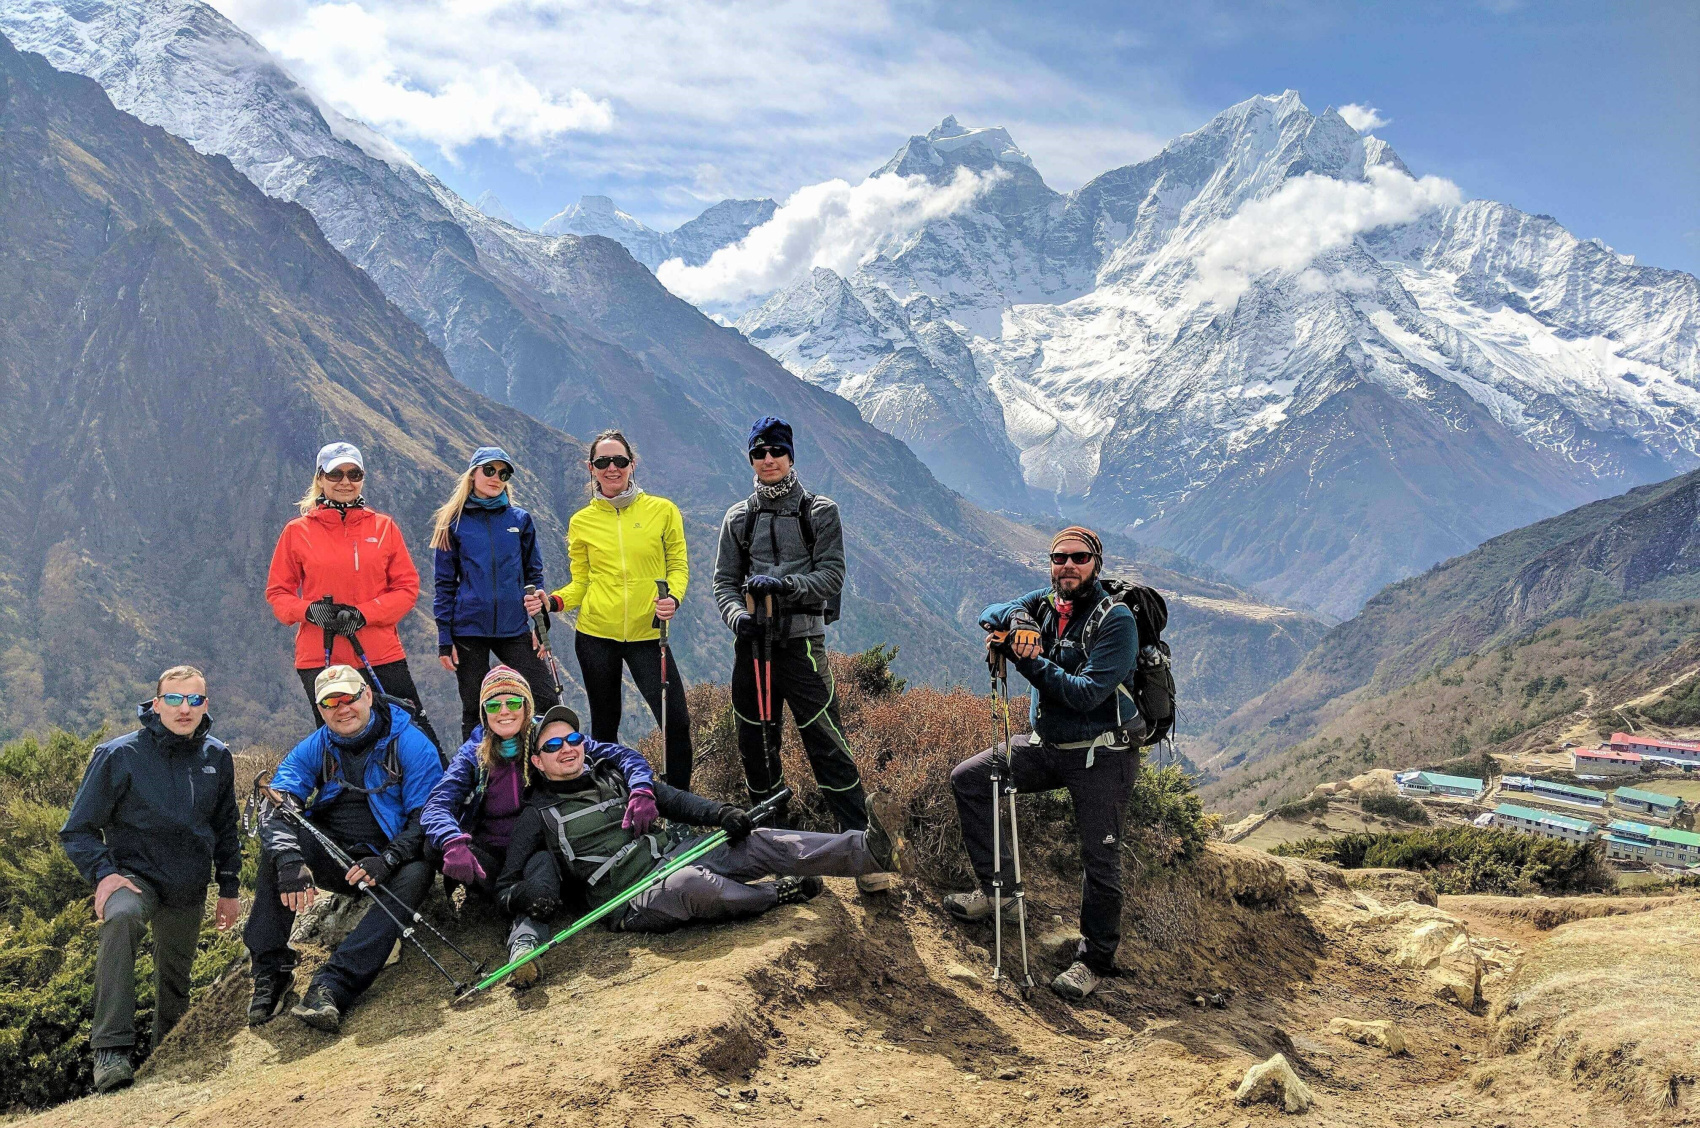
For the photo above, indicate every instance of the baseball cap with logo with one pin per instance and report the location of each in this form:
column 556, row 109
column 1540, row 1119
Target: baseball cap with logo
column 337, row 679
column 332, row 455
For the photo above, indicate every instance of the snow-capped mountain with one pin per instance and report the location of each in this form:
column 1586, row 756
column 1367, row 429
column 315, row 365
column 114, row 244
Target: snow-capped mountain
column 1270, row 347
column 571, row 330
column 719, row 226
column 491, row 205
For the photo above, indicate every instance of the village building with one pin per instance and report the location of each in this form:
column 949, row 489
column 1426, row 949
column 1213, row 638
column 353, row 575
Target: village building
column 1684, row 754
column 1653, row 845
column 1555, row 792
column 1527, row 820
column 1433, row 783
column 1650, row 803
column 1604, row 761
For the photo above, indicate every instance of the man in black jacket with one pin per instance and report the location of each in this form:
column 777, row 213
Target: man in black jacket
column 578, row 813
column 154, row 816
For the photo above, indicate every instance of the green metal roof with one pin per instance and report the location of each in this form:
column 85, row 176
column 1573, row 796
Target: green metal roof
column 1514, row 811
column 1676, row 837
column 1657, row 798
column 1548, row 785
column 1463, row 783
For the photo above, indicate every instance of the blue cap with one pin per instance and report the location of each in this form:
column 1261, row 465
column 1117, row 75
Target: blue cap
column 490, row 454
column 770, row 430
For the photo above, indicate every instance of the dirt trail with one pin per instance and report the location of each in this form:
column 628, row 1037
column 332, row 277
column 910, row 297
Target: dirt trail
column 878, row 1012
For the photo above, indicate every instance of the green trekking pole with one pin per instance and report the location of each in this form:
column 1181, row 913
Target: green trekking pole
column 620, row 901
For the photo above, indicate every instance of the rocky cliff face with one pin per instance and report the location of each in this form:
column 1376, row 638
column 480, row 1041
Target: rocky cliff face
column 176, row 347
column 1162, row 345
column 570, row 330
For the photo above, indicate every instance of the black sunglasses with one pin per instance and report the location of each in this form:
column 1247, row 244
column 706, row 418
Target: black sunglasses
column 354, row 475
column 608, row 460
column 490, row 471
column 1071, row 557
column 760, row 452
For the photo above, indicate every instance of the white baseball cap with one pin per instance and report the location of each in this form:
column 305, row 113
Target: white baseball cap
column 337, row 679
column 332, row 455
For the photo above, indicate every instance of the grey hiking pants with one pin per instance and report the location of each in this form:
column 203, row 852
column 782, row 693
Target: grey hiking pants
column 717, row 886
column 176, row 929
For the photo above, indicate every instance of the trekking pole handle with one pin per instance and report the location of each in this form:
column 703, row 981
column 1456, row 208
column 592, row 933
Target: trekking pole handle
column 661, row 593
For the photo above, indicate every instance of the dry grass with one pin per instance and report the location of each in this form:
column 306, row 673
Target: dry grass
column 1613, row 1008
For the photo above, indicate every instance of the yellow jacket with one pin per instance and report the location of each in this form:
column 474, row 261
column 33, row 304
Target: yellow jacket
column 617, row 555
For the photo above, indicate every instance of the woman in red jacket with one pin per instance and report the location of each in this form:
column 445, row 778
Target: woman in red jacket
column 341, row 548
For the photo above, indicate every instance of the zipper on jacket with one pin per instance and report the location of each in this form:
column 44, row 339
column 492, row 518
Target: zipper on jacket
column 495, row 588
column 625, row 578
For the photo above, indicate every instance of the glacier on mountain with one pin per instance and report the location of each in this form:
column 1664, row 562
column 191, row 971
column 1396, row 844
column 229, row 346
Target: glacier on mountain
column 1204, row 331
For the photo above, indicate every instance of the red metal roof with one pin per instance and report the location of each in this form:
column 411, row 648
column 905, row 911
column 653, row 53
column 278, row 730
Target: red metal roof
column 1623, row 742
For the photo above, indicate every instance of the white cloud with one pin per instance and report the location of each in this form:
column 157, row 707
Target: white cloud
column 790, row 92
column 830, row 225
column 1363, row 118
column 1307, row 216
column 352, row 59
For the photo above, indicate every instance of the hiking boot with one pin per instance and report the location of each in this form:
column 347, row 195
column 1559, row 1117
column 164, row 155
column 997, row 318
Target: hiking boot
column 271, row 995
column 112, row 1069
column 526, row 977
column 1076, row 983
column 975, row 906
column 887, row 850
column 796, row 890
column 319, row 1010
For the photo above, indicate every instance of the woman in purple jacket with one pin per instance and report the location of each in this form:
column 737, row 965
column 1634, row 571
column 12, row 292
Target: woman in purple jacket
column 472, row 810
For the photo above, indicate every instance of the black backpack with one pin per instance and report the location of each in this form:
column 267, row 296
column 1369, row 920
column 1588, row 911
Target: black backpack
column 805, row 525
column 1152, row 683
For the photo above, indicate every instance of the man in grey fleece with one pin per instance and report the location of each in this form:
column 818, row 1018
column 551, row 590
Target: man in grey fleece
column 771, row 545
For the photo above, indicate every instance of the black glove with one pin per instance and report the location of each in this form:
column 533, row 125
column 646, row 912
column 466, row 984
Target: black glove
column 760, row 586
column 745, row 626
column 349, row 621
column 322, row 614
column 737, row 824
column 377, row 868
column 445, row 649
column 293, row 876
column 542, row 907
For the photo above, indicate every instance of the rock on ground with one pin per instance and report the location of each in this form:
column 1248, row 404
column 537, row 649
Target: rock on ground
column 1275, row 1081
column 1377, row 1032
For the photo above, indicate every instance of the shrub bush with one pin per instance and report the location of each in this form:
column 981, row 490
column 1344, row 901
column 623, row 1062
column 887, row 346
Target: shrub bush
column 48, row 935
column 1302, row 809
column 1468, row 859
column 1394, row 807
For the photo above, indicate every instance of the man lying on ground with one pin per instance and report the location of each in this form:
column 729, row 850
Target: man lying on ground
column 577, row 813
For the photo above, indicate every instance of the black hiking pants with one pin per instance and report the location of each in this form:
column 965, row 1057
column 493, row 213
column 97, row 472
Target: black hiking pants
column 1100, row 795
column 802, row 679
column 600, row 661
column 359, row 958
column 472, row 656
column 395, row 680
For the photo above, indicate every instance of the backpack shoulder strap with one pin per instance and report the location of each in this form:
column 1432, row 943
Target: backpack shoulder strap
column 746, row 531
column 1094, row 620
column 806, row 525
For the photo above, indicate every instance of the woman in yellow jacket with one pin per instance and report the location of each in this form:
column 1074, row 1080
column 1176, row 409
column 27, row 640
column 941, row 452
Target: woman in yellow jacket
column 620, row 545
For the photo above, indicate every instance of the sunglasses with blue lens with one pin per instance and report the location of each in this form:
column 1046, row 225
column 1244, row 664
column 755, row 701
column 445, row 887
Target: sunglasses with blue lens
column 176, row 700
column 556, row 743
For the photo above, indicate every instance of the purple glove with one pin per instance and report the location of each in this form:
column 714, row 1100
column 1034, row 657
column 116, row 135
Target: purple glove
column 640, row 810
column 459, row 864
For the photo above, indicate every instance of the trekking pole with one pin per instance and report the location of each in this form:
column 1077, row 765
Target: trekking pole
column 661, row 624
column 649, row 881
column 540, row 627
column 371, row 888
column 764, row 696
column 330, row 633
column 1000, row 757
column 1014, row 831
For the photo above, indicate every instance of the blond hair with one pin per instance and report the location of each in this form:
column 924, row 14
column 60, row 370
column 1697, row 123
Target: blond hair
column 177, row 673
column 448, row 514
column 315, row 494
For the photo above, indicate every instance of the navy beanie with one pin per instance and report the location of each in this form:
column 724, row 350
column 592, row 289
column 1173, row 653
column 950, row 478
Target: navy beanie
column 770, row 430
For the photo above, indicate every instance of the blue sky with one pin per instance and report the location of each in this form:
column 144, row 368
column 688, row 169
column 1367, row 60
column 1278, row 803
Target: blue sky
column 1583, row 111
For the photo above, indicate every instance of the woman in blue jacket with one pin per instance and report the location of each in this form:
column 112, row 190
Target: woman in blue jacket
column 486, row 552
